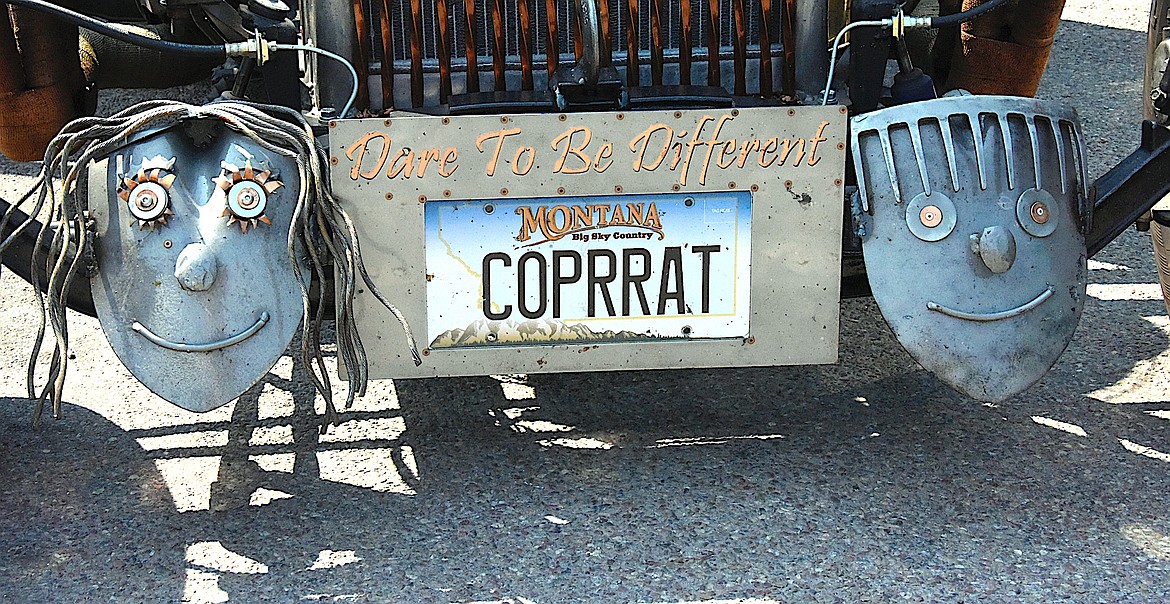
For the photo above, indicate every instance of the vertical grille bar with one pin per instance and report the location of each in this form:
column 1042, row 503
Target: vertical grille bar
column 387, row 56
column 788, row 31
column 364, row 53
column 416, row 58
column 525, row 46
column 472, row 53
column 766, row 48
column 656, row 42
column 551, row 41
column 633, row 74
column 739, row 44
column 444, row 52
column 713, row 77
column 499, row 44
column 575, row 19
column 685, row 42
column 606, row 41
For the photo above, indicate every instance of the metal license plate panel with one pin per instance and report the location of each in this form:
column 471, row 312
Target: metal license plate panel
column 588, row 270
column 781, row 169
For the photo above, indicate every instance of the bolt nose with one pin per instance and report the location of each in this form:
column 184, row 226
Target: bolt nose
column 996, row 246
column 196, row 267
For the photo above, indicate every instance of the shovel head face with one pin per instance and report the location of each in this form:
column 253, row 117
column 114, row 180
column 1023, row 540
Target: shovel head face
column 974, row 214
column 195, row 290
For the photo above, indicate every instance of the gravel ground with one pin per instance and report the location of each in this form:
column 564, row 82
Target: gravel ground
column 866, row 481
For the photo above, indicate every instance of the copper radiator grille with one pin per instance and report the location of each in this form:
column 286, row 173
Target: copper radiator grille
column 425, row 51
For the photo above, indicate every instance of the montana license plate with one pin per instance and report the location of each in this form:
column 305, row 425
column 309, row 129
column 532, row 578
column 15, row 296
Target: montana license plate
column 588, row 269
column 597, row 241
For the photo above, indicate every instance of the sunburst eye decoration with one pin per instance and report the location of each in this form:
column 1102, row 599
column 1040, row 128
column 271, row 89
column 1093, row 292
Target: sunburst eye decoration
column 244, row 192
column 147, row 192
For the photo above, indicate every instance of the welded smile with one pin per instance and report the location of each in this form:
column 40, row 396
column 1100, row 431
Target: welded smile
column 206, row 347
column 996, row 316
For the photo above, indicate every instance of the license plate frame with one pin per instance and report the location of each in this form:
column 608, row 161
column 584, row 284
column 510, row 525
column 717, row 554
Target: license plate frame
column 795, row 221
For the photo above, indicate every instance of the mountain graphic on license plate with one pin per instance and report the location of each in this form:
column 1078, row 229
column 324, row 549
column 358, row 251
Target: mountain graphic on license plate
column 563, row 270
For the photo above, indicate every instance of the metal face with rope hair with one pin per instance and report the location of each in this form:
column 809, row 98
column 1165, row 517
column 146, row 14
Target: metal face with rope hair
column 320, row 237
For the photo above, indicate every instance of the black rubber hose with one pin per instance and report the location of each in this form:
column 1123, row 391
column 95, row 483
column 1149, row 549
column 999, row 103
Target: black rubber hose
column 117, row 33
column 19, row 259
column 966, row 16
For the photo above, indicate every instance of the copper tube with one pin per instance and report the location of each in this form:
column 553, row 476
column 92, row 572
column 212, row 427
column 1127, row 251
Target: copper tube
column 765, row 48
column 525, row 46
column 713, row 77
column 656, row 42
column 387, row 56
column 362, row 64
column 633, row 74
column 416, row 70
column 685, row 42
column 472, row 53
column 739, row 44
column 499, row 49
column 551, row 43
column 444, row 52
column 788, row 34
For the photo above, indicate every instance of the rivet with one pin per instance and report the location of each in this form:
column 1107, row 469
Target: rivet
column 422, row 198
column 791, row 112
column 788, row 185
column 1039, row 212
column 167, row 244
column 731, row 185
column 503, row 191
column 562, row 117
column 930, row 216
column 332, row 124
column 621, row 116
column 617, row 189
column 677, row 114
column 426, row 352
column 674, row 187
column 333, row 161
column 387, row 122
column 837, row 182
column 735, row 113
column 755, row 188
column 503, row 119
column 751, row 340
column 560, row 190
column 446, row 192
column 840, row 146
column 389, row 196
column 844, row 110
column 446, row 121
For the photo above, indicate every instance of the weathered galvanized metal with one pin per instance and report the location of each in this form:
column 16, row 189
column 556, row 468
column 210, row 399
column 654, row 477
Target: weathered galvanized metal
column 975, row 248
column 198, row 306
column 526, row 189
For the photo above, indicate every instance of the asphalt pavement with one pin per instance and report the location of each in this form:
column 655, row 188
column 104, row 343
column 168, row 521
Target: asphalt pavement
column 864, row 481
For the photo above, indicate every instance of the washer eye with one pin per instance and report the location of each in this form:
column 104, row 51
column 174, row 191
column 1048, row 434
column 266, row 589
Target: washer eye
column 931, row 217
column 147, row 193
column 1034, row 211
column 245, row 193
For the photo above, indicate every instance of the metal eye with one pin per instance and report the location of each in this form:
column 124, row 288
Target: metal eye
column 245, row 194
column 931, row 217
column 1034, row 211
column 147, row 193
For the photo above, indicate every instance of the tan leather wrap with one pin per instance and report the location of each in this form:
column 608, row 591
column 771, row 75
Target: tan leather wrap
column 1002, row 52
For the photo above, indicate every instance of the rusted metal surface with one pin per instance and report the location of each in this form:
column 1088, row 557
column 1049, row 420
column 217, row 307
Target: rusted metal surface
column 444, row 51
column 362, row 65
column 633, row 76
column 525, row 46
column 656, row 42
column 740, row 46
column 471, row 53
column 499, row 48
column 416, row 66
column 685, row 43
column 387, row 56
column 765, row 46
column 606, row 40
column 713, row 77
